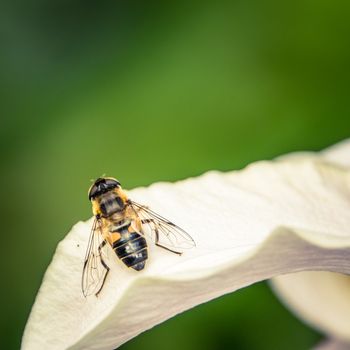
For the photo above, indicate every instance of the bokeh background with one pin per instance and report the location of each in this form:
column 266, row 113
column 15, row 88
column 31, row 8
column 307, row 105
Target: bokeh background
column 148, row 91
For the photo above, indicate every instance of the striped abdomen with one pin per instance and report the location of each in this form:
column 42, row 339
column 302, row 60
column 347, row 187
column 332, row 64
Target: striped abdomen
column 131, row 248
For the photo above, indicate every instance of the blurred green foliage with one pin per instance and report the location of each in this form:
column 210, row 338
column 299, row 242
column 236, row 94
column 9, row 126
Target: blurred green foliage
column 149, row 91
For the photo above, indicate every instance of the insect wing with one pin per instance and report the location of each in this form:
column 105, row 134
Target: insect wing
column 95, row 269
column 163, row 231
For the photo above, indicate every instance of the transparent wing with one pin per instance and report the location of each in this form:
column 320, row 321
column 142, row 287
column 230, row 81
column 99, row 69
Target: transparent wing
column 95, row 269
column 162, row 231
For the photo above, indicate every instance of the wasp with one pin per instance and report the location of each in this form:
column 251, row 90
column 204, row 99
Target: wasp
column 121, row 224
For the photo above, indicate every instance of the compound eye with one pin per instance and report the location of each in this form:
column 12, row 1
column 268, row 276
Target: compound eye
column 93, row 191
column 111, row 183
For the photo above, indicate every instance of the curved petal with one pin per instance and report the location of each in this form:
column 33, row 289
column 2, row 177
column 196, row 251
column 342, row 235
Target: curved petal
column 269, row 219
column 321, row 299
column 332, row 344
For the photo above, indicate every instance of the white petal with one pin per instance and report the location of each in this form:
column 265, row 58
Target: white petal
column 268, row 219
column 339, row 153
column 332, row 344
column 321, row 299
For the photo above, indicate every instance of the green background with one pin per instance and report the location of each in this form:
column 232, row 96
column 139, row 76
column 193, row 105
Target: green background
column 149, row 91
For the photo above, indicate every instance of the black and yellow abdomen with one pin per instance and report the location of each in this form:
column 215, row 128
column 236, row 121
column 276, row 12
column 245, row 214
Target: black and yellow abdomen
column 131, row 248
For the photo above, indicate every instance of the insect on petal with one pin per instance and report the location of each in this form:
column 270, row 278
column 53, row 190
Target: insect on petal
column 271, row 218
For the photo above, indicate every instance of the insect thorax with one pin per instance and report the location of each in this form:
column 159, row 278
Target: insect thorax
column 110, row 204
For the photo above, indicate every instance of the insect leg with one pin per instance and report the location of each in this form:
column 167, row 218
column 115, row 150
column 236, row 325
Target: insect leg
column 104, row 265
column 156, row 232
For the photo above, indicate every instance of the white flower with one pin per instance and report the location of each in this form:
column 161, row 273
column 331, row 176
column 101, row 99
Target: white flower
column 271, row 218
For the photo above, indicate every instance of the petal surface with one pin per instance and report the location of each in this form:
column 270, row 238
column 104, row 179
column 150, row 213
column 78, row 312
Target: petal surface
column 321, row 299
